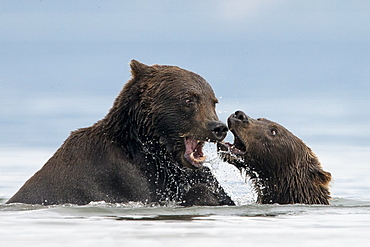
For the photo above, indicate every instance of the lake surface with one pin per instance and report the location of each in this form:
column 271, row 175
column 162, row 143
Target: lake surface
column 336, row 129
column 344, row 223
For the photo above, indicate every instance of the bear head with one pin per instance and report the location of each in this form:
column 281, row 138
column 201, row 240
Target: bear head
column 282, row 165
column 170, row 109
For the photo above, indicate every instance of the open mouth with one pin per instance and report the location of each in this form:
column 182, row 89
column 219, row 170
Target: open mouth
column 237, row 148
column 194, row 152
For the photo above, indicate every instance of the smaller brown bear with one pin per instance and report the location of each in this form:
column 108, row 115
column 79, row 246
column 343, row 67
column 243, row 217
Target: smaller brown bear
column 283, row 169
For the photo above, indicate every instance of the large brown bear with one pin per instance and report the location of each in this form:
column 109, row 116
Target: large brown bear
column 148, row 148
column 284, row 170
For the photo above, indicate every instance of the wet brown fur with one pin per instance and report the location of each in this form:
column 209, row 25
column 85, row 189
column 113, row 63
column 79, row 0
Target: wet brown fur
column 283, row 168
column 136, row 153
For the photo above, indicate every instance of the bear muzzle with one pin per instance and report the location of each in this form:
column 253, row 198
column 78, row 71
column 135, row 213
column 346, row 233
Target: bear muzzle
column 218, row 130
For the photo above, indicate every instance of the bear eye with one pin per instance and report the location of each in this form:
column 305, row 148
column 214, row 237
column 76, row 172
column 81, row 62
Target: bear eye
column 273, row 132
column 189, row 101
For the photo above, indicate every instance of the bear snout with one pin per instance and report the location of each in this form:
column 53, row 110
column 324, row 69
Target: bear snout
column 218, row 130
column 238, row 116
column 241, row 116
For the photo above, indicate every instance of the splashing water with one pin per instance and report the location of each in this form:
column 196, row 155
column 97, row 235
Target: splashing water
column 234, row 182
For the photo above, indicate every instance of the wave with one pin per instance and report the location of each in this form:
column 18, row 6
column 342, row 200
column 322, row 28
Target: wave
column 138, row 211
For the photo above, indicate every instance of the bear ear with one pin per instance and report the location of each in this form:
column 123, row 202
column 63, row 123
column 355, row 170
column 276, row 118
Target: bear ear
column 137, row 68
column 324, row 176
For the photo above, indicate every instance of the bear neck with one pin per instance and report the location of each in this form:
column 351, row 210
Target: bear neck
column 125, row 127
column 288, row 185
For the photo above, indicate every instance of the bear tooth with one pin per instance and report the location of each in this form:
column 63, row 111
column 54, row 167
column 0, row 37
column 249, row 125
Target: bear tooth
column 200, row 159
column 192, row 156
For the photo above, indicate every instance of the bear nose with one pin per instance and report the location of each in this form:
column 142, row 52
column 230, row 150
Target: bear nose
column 218, row 129
column 241, row 116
